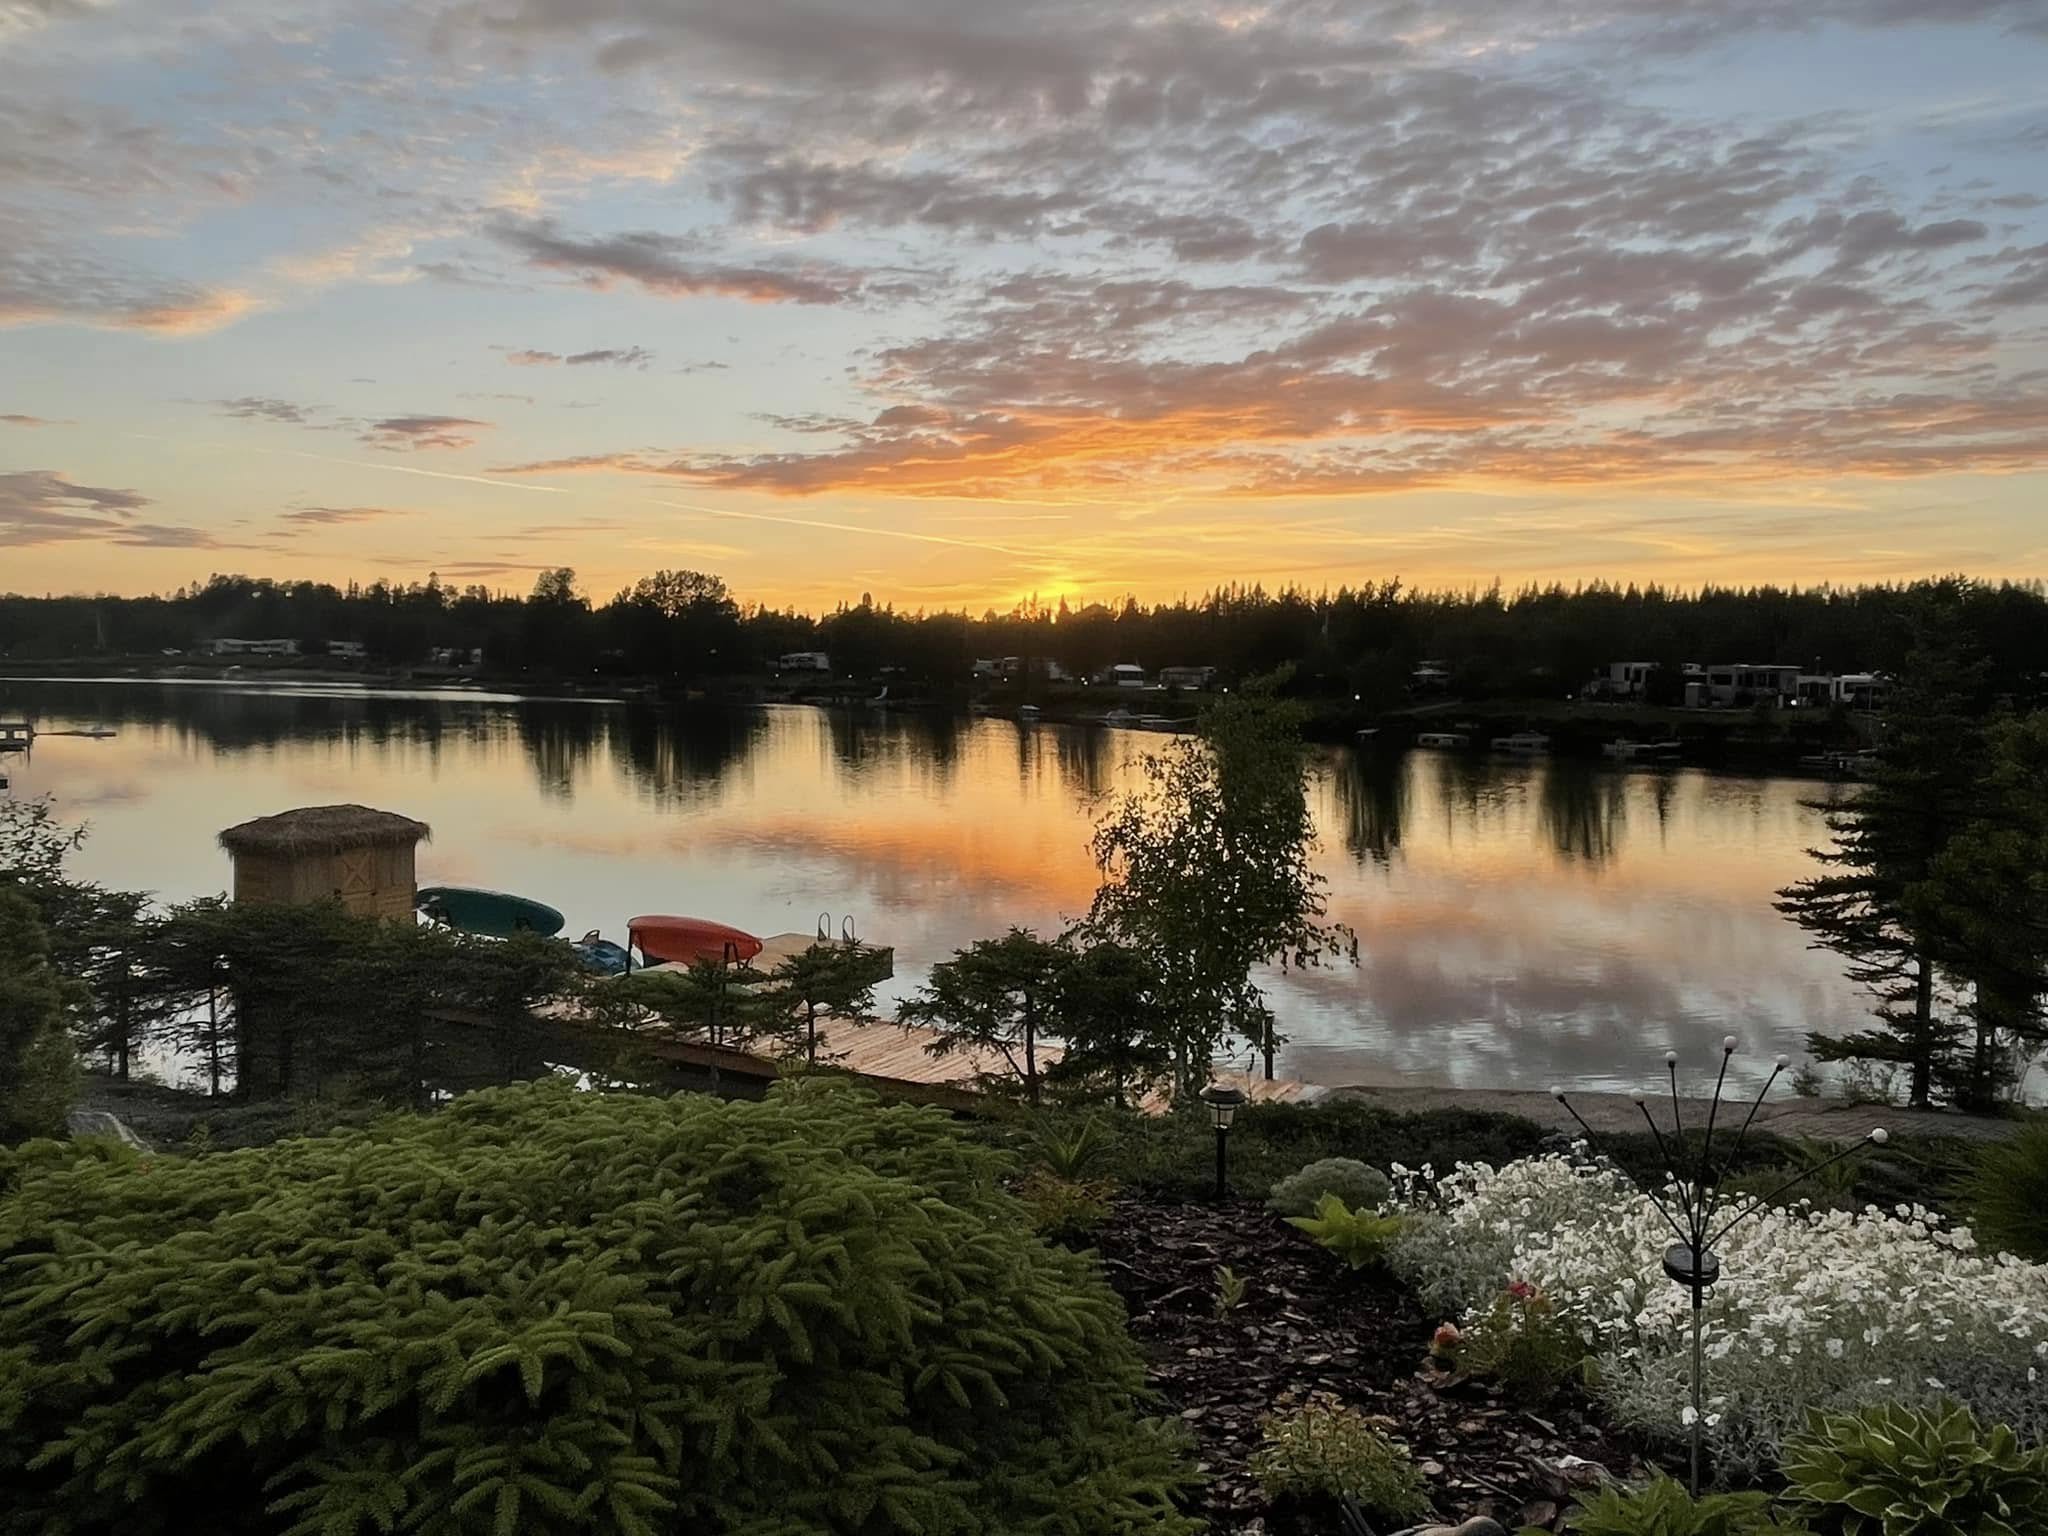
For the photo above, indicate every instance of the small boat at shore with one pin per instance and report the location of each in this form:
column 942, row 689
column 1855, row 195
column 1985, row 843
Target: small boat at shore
column 685, row 940
column 1626, row 751
column 1443, row 740
column 493, row 914
column 1523, row 743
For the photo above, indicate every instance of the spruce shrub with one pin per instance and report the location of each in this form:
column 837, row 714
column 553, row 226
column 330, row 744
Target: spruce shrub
column 548, row 1311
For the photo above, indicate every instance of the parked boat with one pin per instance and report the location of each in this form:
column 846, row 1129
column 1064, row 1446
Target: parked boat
column 684, row 940
column 1626, row 751
column 1523, row 743
column 1443, row 739
column 494, row 914
column 601, row 957
column 1848, row 765
column 1027, row 711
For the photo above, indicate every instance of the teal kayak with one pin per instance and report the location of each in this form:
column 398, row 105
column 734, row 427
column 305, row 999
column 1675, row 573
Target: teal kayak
column 491, row 913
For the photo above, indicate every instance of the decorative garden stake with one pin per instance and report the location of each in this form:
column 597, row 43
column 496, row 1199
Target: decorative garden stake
column 1691, row 1261
column 1223, row 1105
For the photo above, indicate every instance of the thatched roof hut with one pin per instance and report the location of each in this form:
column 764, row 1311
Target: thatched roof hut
column 361, row 856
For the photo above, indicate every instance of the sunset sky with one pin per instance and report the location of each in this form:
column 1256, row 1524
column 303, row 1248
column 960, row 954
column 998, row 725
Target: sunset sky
column 956, row 301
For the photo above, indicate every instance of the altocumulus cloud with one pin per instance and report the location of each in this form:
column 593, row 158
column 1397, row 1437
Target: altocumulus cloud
column 43, row 506
column 614, row 357
column 416, row 432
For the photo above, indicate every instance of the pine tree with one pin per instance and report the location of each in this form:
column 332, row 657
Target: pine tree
column 1113, row 1022
column 827, row 980
column 1887, row 836
column 1985, row 908
column 995, row 995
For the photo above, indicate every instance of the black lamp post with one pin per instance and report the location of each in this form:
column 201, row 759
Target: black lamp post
column 1223, row 1104
column 1691, row 1262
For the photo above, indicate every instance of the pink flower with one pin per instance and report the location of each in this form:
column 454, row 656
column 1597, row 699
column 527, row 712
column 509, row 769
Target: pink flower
column 1446, row 1339
column 1521, row 1290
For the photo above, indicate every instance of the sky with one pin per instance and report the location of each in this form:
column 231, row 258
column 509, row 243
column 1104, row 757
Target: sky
column 959, row 302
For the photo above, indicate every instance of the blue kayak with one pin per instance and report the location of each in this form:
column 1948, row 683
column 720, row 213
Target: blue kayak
column 494, row 914
column 601, row 957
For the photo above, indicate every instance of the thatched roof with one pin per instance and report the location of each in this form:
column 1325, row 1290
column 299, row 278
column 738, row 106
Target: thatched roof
column 323, row 829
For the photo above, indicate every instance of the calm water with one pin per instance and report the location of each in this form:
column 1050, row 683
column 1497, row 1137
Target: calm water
column 1519, row 922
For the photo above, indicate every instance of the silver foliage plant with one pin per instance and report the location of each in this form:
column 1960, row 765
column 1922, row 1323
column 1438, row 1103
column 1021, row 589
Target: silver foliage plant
column 1815, row 1309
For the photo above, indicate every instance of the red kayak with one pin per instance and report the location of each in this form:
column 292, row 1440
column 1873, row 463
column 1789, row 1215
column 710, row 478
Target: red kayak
column 687, row 939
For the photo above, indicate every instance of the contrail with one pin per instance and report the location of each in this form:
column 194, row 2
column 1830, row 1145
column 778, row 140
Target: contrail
column 810, row 522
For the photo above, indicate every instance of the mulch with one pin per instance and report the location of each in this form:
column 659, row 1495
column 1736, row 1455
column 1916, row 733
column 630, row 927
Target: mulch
column 1310, row 1324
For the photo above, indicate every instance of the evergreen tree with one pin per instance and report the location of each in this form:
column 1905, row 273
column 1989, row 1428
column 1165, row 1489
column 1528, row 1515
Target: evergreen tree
column 1985, row 907
column 1207, row 870
column 37, row 1072
column 1113, row 1022
column 1887, row 836
column 827, row 980
column 996, row 995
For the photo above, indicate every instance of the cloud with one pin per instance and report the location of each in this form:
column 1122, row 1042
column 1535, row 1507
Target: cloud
column 43, row 506
column 15, row 419
column 416, row 432
column 662, row 264
column 304, row 517
column 617, row 357
column 266, row 408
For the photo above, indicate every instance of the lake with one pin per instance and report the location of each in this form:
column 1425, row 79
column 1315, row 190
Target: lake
column 1519, row 922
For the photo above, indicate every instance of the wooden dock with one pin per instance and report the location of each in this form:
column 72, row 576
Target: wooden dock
column 894, row 1058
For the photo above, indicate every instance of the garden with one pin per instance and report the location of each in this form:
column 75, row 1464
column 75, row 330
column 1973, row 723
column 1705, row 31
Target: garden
column 543, row 1309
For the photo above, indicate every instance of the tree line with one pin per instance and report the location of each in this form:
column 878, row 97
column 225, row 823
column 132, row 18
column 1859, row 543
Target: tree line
column 1367, row 639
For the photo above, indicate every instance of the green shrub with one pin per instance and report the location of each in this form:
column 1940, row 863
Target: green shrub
column 2006, row 1194
column 1066, row 1211
column 1358, row 1185
column 38, row 1073
column 1522, row 1342
column 1662, row 1507
column 547, row 1311
column 1895, row 1471
column 1359, row 1238
column 1325, row 1450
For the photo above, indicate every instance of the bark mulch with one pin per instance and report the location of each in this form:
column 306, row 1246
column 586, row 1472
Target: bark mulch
column 1307, row 1324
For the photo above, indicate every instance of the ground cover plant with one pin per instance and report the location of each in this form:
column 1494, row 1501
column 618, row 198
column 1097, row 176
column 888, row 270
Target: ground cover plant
column 539, row 1310
column 1814, row 1309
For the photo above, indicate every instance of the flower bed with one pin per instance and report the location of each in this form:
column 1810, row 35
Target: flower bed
column 1814, row 1310
column 1305, row 1327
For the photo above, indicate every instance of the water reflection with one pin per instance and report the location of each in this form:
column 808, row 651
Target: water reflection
column 1518, row 920
column 1372, row 801
column 1582, row 809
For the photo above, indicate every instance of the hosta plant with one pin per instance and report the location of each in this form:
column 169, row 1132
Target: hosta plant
column 1324, row 1449
column 1663, row 1507
column 1360, row 1238
column 1893, row 1471
column 1360, row 1186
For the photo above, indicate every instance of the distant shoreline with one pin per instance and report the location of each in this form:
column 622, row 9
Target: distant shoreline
column 1728, row 739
